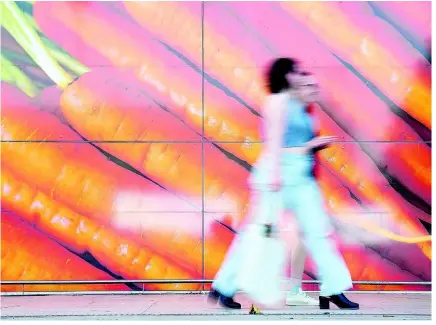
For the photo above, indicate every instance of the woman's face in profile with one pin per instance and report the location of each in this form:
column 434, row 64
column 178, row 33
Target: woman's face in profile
column 307, row 88
column 294, row 78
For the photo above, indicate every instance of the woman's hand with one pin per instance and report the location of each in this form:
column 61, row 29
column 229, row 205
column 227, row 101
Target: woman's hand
column 322, row 142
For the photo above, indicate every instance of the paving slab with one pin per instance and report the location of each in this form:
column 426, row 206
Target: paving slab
column 407, row 306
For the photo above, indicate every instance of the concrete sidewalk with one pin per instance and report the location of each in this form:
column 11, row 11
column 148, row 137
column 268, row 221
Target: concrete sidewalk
column 194, row 307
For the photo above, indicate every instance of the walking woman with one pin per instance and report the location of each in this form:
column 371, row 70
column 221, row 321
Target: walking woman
column 286, row 165
column 293, row 143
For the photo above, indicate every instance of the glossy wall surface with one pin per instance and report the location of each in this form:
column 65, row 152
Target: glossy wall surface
column 128, row 136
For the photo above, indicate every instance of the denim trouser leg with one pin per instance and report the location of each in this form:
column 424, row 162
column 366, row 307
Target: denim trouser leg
column 303, row 196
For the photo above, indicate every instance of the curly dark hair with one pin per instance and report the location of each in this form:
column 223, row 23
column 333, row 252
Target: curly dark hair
column 276, row 74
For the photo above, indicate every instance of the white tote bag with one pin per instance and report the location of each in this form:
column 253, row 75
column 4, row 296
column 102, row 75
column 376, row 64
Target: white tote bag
column 262, row 261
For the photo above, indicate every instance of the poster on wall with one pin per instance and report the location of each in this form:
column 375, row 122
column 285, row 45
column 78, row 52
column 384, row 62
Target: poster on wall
column 129, row 131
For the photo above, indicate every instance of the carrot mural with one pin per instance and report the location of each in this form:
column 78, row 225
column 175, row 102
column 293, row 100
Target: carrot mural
column 354, row 107
column 150, row 14
column 337, row 166
column 371, row 45
column 223, row 59
column 106, row 185
column 110, row 195
column 119, row 148
column 29, row 255
column 129, row 49
column 81, row 234
column 411, row 19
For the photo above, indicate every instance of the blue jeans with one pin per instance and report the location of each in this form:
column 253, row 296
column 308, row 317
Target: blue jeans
column 302, row 195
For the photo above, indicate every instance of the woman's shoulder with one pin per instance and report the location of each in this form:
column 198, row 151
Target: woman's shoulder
column 274, row 101
column 280, row 101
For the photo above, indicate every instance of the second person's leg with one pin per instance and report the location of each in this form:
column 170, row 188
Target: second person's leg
column 305, row 199
column 296, row 296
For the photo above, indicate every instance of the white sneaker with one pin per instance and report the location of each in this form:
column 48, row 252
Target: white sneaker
column 300, row 299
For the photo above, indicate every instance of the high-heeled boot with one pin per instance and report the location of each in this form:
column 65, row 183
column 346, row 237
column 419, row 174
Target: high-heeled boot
column 213, row 296
column 227, row 302
column 339, row 300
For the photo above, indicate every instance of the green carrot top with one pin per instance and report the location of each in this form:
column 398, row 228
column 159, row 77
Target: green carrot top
column 16, row 23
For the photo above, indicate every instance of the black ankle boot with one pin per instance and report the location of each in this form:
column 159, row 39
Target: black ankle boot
column 229, row 303
column 339, row 300
column 213, row 296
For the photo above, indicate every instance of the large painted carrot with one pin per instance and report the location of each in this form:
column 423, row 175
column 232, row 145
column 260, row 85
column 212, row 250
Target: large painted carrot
column 162, row 72
column 359, row 173
column 46, row 99
column 118, row 253
column 29, row 255
column 372, row 268
column 371, row 46
column 175, row 23
column 355, row 107
column 133, row 116
column 373, row 224
column 412, row 18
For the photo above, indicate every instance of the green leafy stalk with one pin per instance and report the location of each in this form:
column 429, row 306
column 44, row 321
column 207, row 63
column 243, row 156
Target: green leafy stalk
column 17, row 57
column 66, row 60
column 15, row 22
column 61, row 56
column 13, row 75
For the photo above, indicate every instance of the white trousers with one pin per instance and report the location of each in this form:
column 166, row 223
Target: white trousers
column 302, row 195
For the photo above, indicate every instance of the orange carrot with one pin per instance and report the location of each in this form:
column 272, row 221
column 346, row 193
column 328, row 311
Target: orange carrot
column 363, row 48
column 47, row 100
column 162, row 74
column 29, row 255
column 366, row 265
column 77, row 110
column 351, row 214
column 411, row 17
column 116, row 252
column 359, row 173
column 13, row 98
column 175, row 23
column 128, row 115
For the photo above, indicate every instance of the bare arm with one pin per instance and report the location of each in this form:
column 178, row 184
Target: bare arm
column 274, row 114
